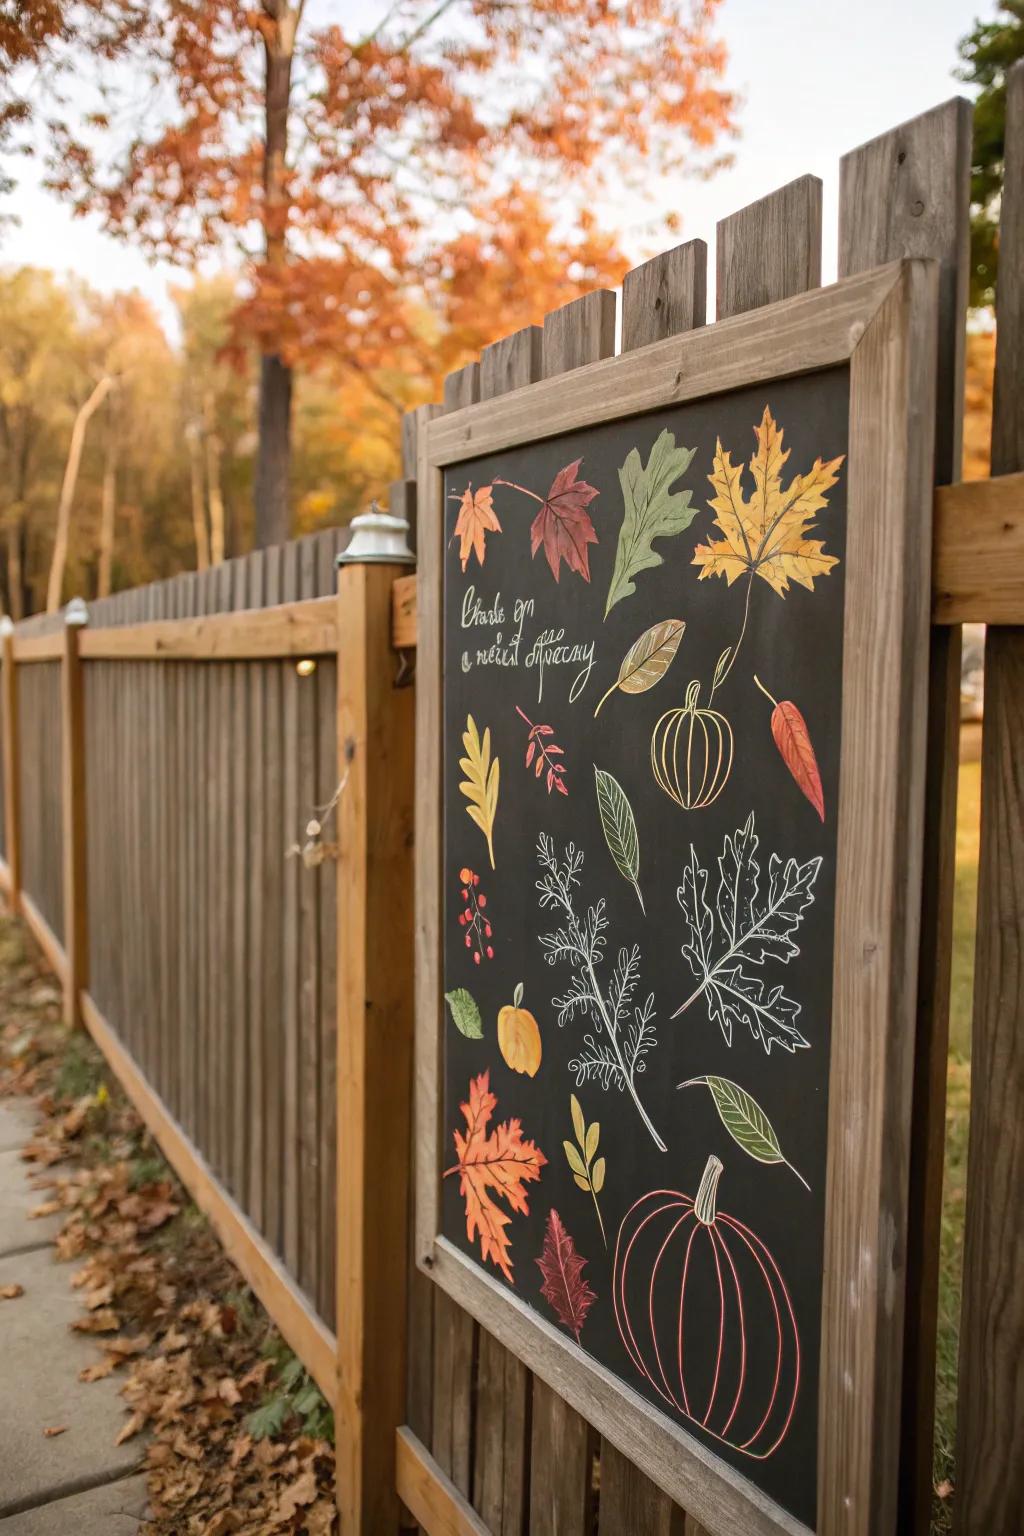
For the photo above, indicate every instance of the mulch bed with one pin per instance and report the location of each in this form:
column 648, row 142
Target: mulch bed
column 238, row 1437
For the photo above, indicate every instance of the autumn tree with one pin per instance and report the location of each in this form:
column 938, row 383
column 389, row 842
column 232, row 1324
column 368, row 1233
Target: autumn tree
column 365, row 174
column 987, row 53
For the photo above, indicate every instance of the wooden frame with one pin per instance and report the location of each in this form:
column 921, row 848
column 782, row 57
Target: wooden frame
column 883, row 325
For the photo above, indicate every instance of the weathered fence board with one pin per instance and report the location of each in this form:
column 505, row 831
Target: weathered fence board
column 991, row 1405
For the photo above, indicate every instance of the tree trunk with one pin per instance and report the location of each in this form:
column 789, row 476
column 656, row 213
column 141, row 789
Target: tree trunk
column 273, row 512
column 214, row 495
column 67, row 491
column 15, row 570
column 198, row 503
column 108, row 510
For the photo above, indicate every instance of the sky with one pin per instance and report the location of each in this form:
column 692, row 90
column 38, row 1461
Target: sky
column 816, row 77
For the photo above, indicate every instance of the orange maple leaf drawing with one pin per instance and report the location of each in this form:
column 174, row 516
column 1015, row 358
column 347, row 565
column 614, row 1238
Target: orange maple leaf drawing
column 497, row 1164
column 767, row 535
column 476, row 518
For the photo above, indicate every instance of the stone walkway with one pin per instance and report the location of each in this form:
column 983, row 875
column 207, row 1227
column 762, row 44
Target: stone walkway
column 77, row 1483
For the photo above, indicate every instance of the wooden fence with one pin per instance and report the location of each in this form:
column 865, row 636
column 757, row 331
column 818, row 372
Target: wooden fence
column 160, row 761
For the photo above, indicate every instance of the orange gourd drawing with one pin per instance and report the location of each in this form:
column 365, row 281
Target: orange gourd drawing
column 519, row 1036
column 691, row 753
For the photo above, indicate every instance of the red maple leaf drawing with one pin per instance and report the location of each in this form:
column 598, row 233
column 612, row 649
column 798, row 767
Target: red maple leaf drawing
column 562, row 1267
column 563, row 523
column 492, row 1165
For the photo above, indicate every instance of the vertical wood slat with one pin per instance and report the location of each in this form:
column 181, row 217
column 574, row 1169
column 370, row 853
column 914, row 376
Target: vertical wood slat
column 562, row 1443
column 12, row 764
column 256, row 759
column 242, row 751
column 455, row 1334
column 305, row 747
column 664, row 297
column 990, row 1478
column 422, row 1292
column 578, row 333
column 769, row 250
column 273, row 839
column 327, row 711
column 76, row 928
column 498, row 1478
column 906, row 193
column 289, row 872
column 375, row 1048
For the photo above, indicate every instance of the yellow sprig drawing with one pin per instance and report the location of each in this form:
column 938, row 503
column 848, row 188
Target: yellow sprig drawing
column 767, row 535
column 480, row 786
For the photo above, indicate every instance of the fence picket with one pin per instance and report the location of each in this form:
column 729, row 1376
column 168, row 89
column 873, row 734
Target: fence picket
column 769, row 250
column 906, row 194
column 990, row 1492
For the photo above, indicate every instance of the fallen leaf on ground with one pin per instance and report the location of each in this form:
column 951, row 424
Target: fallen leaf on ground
column 99, row 1370
column 104, row 1321
column 55, row 1430
column 11, row 1292
column 131, row 1428
column 303, row 1491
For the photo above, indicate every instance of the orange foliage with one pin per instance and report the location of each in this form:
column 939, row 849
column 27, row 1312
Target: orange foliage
column 443, row 163
column 981, row 362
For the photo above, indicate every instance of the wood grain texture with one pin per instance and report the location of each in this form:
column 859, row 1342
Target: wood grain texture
column 578, row 333
column 562, row 1447
column 501, row 1440
column 511, row 363
column 76, row 923
column 990, row 1426
column 632, row 1503
column 665, row 296
column 429, row 1494
column 770, row 249
column 374, row 936
column 9, row 744
column 455, row 1341
column 978, row 560
column 45, row 937
column 298, row 628
column 907, row 193
column 810, row 331
column 45, row 647
column 462, row 387
column 877, row 915
column 301, row 1328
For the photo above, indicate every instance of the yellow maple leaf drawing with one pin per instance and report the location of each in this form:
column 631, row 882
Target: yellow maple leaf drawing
column 767, row 535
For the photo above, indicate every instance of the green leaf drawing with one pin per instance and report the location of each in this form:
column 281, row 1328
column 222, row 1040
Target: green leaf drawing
column 652, row 511
column 619, row 828
column 746, row 1121
column 647, row 660
column 587, row 1174
column 465, row 1013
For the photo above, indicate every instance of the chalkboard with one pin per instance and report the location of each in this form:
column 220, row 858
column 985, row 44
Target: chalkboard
column 643, row 657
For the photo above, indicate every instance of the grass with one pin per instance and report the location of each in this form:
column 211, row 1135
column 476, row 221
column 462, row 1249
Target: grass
column 957, row 1116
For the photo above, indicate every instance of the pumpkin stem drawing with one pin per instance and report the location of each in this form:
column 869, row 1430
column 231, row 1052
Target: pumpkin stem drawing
column 705, row 1316
column 691, row 753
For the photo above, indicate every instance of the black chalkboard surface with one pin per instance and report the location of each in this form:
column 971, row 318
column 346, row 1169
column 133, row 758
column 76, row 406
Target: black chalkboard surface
column 643, row 635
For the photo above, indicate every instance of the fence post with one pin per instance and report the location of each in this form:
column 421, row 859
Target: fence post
column 76, row 925
column 375, row 1027
column 12, row 781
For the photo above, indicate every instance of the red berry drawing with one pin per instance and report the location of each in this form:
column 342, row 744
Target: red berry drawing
column 471, row 918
